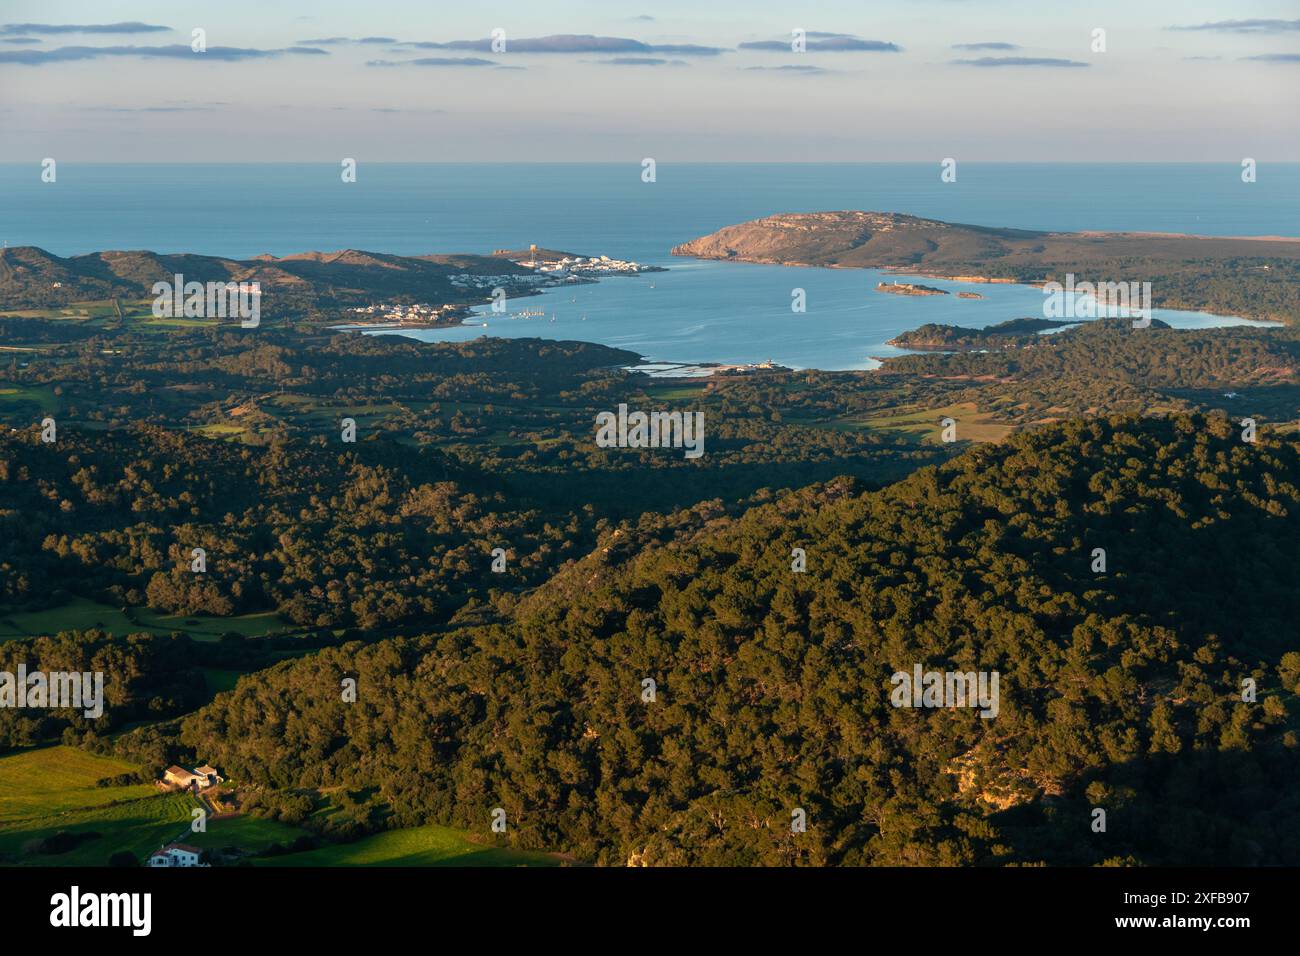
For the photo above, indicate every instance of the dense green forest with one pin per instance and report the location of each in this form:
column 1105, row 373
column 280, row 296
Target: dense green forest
column 522, row 688
column 1122, row 690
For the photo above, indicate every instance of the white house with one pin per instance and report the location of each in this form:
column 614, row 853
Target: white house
column 176, row 854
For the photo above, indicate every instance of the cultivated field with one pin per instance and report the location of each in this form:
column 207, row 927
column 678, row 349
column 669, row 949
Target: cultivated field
column 421, row 846
column 52, row 790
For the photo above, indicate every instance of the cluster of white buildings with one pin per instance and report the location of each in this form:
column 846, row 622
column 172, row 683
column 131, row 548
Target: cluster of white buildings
column 584, row 267
column 198, row 779
column 546, row 273
column 419, row 312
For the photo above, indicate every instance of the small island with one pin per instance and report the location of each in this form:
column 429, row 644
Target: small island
column 909, row 288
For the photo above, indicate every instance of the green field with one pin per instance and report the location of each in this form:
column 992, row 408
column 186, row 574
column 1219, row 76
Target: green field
column 677, row 392
column 224, row 431
column 52, row 789
column 37, row 783
column 100, row 313
column 924, row 424
column 421, row 846
column 42, row 397
column 248, row 833
column 82, row 614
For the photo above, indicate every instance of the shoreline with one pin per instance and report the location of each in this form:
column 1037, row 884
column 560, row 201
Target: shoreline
column 478, row 319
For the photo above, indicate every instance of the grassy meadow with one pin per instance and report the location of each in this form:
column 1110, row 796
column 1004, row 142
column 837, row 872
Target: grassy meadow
column 419, row 846
column 52, row 790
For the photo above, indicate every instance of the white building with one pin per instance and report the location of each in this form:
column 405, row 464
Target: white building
column 176, row 854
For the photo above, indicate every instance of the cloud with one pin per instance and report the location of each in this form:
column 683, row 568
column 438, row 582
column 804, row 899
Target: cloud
column 804, row 69
column 152, row 109
column 995, row 45
column 572, row 43
column 687, row 49
column 1245, row 26
column 641, row 61
column 435, row 61
column 65, row 54
column 1275, row 58
column 336, row 41
column 1021, row 61
column 16, row 41
column 816, row 42
column 46, row 28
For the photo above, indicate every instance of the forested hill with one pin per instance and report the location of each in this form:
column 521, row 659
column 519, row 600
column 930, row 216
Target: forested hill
column 32, row 277
column 1120, row 690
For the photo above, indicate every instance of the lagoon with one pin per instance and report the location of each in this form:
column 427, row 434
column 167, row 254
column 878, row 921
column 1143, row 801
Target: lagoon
column 740, row 313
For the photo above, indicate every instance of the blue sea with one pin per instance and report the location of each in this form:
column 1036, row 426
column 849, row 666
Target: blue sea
column 696, row 312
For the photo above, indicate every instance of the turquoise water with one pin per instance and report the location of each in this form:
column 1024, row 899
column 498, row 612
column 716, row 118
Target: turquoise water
column 720, row 312
column 740, row 313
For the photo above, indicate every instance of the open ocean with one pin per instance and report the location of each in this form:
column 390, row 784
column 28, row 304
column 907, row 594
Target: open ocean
column 698, row 311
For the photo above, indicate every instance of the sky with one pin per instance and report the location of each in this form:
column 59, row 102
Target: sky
column 676, row 80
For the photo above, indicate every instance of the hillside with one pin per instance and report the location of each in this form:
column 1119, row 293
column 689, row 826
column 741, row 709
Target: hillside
column 33, row 278
column 1013, row 333
column 1120, row 689
column 1257, row 278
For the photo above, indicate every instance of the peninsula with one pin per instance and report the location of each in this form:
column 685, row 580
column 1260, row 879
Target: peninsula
column 425, row 290
column 1249, row 277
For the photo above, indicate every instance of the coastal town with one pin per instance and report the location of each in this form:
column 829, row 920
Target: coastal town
column 550, row 270
column 563, row 266
column 416, row 314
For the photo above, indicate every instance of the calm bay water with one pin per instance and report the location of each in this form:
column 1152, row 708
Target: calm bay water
column 740, row 313
column 720, row 312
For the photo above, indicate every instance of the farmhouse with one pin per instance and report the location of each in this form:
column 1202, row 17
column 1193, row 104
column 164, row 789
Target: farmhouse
column 208, row 776
column 201, row 778
column 178, row 776
column 176, row 854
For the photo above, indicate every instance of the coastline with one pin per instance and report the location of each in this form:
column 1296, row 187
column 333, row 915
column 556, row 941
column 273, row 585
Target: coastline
column 672, row 345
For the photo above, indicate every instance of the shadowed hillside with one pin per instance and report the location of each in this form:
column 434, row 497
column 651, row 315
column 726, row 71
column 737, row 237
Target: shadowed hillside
column 1118, row 687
